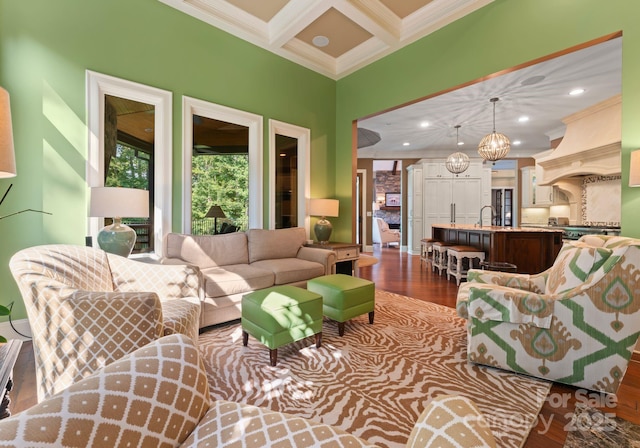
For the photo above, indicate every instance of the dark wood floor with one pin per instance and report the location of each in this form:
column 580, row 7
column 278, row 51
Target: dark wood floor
column 401, row 273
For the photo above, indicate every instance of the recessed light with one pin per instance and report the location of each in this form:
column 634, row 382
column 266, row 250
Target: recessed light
column 320, row 41
column 460, row 143
column 523, row 119
column 424, row 124
column 406, row 144
column 282, row 154
column 517, row 142
column 578, row 91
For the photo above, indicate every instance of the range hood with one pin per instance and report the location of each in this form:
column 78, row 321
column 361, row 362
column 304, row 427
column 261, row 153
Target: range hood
column 590, row 146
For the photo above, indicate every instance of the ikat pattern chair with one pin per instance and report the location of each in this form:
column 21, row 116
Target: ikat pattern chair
column 576, row 323
column 88, row 308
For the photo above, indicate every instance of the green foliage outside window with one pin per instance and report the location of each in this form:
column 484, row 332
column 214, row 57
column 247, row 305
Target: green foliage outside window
column 221, row 180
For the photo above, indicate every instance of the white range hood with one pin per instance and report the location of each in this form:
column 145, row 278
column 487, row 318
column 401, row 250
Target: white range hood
column 590, row 146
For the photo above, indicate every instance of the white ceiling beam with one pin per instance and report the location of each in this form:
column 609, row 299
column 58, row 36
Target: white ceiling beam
column 293, row 18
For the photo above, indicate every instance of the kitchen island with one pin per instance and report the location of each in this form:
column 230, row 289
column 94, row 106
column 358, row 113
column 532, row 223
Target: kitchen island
column 531, row 249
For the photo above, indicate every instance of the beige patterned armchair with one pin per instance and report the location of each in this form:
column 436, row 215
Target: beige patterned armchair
column 158, row 396
column 575, row 323
column 88, row 308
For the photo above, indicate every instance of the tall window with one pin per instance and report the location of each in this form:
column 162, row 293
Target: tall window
column 222, row 165
column 130, row 146
column 289, row 150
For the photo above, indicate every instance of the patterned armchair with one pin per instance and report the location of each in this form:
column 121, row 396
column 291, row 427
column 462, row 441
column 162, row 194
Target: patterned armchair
column 576, row 323
column 383, row 234
column 88, row 308
column 158, row 395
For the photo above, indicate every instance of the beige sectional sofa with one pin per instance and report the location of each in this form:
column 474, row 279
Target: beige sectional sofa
column 234, row 264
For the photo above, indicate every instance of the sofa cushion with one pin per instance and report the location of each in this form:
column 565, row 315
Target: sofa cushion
column 291, row 270
column 207, row 251
column 279, row 243
column 234, row 279
column 573, row 265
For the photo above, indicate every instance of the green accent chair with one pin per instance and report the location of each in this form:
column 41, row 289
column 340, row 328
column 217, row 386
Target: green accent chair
column 280, row 315
column 576, row 323
column 344, row 297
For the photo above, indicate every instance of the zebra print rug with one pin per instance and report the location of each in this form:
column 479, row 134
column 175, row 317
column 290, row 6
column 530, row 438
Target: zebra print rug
column 375, row 380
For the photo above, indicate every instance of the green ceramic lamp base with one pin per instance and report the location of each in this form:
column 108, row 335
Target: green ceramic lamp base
column 323, row 229
column 117, row 238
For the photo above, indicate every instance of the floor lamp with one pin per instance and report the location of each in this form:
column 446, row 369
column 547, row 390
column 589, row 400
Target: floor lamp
column 215, row 212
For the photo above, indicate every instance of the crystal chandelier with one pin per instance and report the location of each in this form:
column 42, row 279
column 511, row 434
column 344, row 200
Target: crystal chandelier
column 494, row 146
column 457, row 162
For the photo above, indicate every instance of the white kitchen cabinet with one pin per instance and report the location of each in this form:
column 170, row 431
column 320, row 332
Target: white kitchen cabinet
column 414, row 208
column 534, row 195
column 453, row 199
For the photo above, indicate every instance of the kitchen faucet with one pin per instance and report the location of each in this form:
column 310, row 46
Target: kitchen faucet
column 493, row 213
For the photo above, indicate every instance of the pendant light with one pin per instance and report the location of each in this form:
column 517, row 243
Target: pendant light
column 494, row 146
column 458, row 162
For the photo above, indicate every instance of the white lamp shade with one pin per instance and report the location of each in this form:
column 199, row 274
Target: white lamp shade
column 634, row 169
column 7, row 154
column 324, row 207
column 119, row 202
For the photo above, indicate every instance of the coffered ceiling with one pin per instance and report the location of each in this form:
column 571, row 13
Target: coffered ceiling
column 331, row 37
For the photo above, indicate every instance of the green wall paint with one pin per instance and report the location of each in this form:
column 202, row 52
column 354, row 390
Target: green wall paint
column 45, row 48
column 498, row 36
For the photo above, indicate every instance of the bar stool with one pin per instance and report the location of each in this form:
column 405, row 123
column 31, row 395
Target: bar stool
column 460, row 260
column 426, row 250
column 439, row 260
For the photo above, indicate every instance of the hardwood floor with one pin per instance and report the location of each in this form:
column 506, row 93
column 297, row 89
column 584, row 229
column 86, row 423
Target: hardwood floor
column 401, row 273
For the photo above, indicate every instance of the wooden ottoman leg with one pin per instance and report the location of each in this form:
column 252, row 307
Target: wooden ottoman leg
column 245, row 338
column 318, row 339
column 341, row 328
column 273, row 356
column 371, row 313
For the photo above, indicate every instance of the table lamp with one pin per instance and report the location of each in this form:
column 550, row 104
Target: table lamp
column 116, row 202
column 323, row 208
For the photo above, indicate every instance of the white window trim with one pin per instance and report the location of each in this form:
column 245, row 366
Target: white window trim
column 303, row 136
column 193, row 106
column 98, row 85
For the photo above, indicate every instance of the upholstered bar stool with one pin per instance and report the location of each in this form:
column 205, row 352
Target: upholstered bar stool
column 460, row 260
column 426, row 251
column 439, row 260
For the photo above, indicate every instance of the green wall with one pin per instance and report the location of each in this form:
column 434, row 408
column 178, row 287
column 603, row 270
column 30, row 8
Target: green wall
column 498, row 36
column 45, row 48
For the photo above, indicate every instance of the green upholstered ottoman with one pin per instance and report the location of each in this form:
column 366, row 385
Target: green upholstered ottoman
column 344, row 297
column 280, row 315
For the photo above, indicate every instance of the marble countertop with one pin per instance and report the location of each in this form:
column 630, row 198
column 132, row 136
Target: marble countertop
column 497, row 228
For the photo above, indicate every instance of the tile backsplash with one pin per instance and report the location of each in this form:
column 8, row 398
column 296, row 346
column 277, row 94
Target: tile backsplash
column 598, row 208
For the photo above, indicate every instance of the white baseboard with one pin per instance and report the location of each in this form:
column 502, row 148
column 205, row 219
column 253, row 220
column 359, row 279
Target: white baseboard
column 22, row 325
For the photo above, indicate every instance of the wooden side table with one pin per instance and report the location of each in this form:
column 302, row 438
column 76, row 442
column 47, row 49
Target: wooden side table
column 8, row 355
column 347, row 255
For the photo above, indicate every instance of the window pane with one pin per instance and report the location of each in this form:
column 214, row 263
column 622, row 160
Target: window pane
column 219, row 176
column 128, row 158
column 286, row 182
